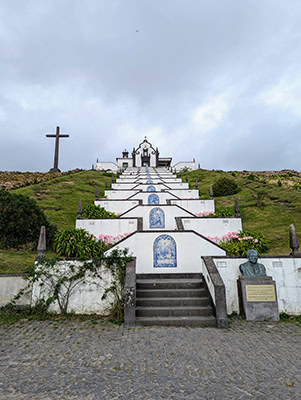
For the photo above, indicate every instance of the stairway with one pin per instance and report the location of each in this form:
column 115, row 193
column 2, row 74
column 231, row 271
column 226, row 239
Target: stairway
column 173, row 300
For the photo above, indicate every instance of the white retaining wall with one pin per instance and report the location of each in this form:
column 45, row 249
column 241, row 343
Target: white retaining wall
column 185, row 193
column 213, row 226
column 286, row 271
column 190, row 165
column 123, row 186
column 116, row 206
column 141, row 246
column 195, row 206
column 120, row 194
column 171, row 212
column 113, row 227
column 10, row 286
column 163, row 196
column 158, row 187
column 86, row 297
column 105, row 166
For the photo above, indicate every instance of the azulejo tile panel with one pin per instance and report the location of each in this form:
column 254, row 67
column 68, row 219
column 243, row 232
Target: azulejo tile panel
column 165, row 252
column 153, row 199
column 156, row 218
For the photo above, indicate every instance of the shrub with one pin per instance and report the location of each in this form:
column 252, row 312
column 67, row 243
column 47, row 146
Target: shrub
column 244, row 241
column 78, row 243
column 252, row 177
column 225, row 187
column 20, row 221
column 259, row 196
column 95, row 212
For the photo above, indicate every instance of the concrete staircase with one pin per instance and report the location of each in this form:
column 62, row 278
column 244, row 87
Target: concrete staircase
column 173, row 300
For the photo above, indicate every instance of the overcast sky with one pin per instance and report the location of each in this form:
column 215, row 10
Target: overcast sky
column 212, row 79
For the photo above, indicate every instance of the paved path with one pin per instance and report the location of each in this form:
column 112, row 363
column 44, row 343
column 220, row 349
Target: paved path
column 85, row 360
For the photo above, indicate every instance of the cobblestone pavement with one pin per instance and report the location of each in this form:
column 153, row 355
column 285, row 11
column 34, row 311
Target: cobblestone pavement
column 87, row 360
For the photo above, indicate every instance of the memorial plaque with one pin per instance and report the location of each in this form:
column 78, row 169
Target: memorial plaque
column 258, row 298
column 261, row 293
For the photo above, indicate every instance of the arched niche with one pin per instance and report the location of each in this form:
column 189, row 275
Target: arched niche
column 153, row 199
column 165, row 252
column 156, row 218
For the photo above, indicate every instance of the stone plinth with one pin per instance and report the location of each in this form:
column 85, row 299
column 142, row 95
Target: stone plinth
column 258, row 298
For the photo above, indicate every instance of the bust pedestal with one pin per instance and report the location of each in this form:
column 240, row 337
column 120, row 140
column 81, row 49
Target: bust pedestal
column 258, row 298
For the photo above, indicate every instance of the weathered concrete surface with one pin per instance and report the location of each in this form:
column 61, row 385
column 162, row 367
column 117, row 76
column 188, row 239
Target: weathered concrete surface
column 83, row 360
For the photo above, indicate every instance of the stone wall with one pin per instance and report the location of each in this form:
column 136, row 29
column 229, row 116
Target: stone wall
column 285, row 271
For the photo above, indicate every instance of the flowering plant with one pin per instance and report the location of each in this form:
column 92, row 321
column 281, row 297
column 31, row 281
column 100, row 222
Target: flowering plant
column 237, row 244
column 221, row 213
column 109, row 239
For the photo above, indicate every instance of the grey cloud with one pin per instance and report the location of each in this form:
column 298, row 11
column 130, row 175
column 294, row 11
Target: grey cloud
column 83, row 66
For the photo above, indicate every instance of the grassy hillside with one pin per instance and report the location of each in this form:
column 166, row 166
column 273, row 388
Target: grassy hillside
column 282, row 202
column 58, row 196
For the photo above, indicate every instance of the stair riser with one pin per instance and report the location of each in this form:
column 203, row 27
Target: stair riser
column 169, row 285
column 170, row 302
column 171, row 293
column 169, row 276
column 203, row 324
column 174, row 313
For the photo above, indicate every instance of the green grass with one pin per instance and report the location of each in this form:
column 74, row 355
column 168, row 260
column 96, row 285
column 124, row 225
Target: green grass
column 18, row 261
column 58, row 197
column 282, row 204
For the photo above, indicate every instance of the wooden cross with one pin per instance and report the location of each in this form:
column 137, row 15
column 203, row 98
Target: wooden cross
column 57, row 137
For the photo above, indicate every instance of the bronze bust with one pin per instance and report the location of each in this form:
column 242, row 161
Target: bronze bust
column 252, row 267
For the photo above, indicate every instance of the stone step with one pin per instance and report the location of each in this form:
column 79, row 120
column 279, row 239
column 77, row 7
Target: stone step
column 169, row 284
column 173, row 311
column 171, row 293
column 170, row 276
column 177, row 321
column 172, row 301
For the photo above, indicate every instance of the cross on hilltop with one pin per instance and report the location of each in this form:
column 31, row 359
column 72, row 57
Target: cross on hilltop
column 57, row 137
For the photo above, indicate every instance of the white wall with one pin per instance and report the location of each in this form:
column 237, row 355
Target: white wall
column 213, row 226
column 116, row 206
column 185, row 164
column 156, row 180
column 123, row 186
column 140, row 245
column 170, row 213
column 10, row 286
column 157, row 187
column 120, row 194
column 120, row 162
column 113, row 227
column 163, row 196
column 100, row 166
column 287, row 278
column 185, row 193
column 195, row 206
column 178, row 185
column 145, row 145
column 87, row 296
